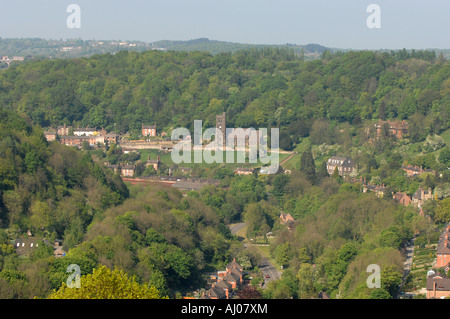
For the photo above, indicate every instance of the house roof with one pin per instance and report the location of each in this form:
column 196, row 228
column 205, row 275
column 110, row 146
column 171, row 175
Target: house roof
column 441, row 282
column 223, row 284
column 399, row 196
column 232, row 277
column 233, row 264
column 236, row 271
column 215, row 292
column 346, row 161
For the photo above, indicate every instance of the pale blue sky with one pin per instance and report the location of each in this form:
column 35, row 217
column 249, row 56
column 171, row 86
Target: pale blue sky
column 407, row 24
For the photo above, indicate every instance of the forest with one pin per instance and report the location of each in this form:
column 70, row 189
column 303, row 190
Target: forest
column 257, row 88
column 167, row 241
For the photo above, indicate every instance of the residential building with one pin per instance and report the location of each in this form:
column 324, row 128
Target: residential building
column 50, row 135
column 88, row 131
column 379, row 190
column 78, row 140
column 216, row 293
column 63, row 130
column 421, row 195
column 403, row 199
column 438, row 286
column 111, row 138
column 395, row 128
column 226, row 281
column 127, row 170
column 345, row 165
column 413, row 170
column 155, row 163
column 148, row 130
column 443, row 249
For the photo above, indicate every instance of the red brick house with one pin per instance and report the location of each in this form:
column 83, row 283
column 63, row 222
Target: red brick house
column 50, row 135
column 443, row 249
column 413, row 170
column 438, row 286
column 63, row 130
column 227, row 280
column 127, row 170
column 148, row 130
column 403, row 199
column 155, row 163
column 396, row 128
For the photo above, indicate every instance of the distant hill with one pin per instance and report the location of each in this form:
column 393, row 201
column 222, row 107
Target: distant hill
column 75, row 48
column 214, row 46
column 36, row 47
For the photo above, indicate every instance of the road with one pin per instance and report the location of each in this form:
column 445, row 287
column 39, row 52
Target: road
column 408, row 262
column 266, row 268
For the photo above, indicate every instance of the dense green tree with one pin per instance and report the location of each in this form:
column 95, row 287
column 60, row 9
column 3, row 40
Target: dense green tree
column 308, row 166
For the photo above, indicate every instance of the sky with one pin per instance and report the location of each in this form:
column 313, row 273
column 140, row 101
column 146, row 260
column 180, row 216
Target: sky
column 410, row 24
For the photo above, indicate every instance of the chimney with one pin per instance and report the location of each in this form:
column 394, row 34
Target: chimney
column 434, row 288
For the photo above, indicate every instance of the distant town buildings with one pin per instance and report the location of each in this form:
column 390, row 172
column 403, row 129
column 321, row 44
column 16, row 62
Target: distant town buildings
column 77, row 136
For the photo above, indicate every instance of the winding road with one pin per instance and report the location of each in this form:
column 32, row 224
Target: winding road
column 268, row 271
